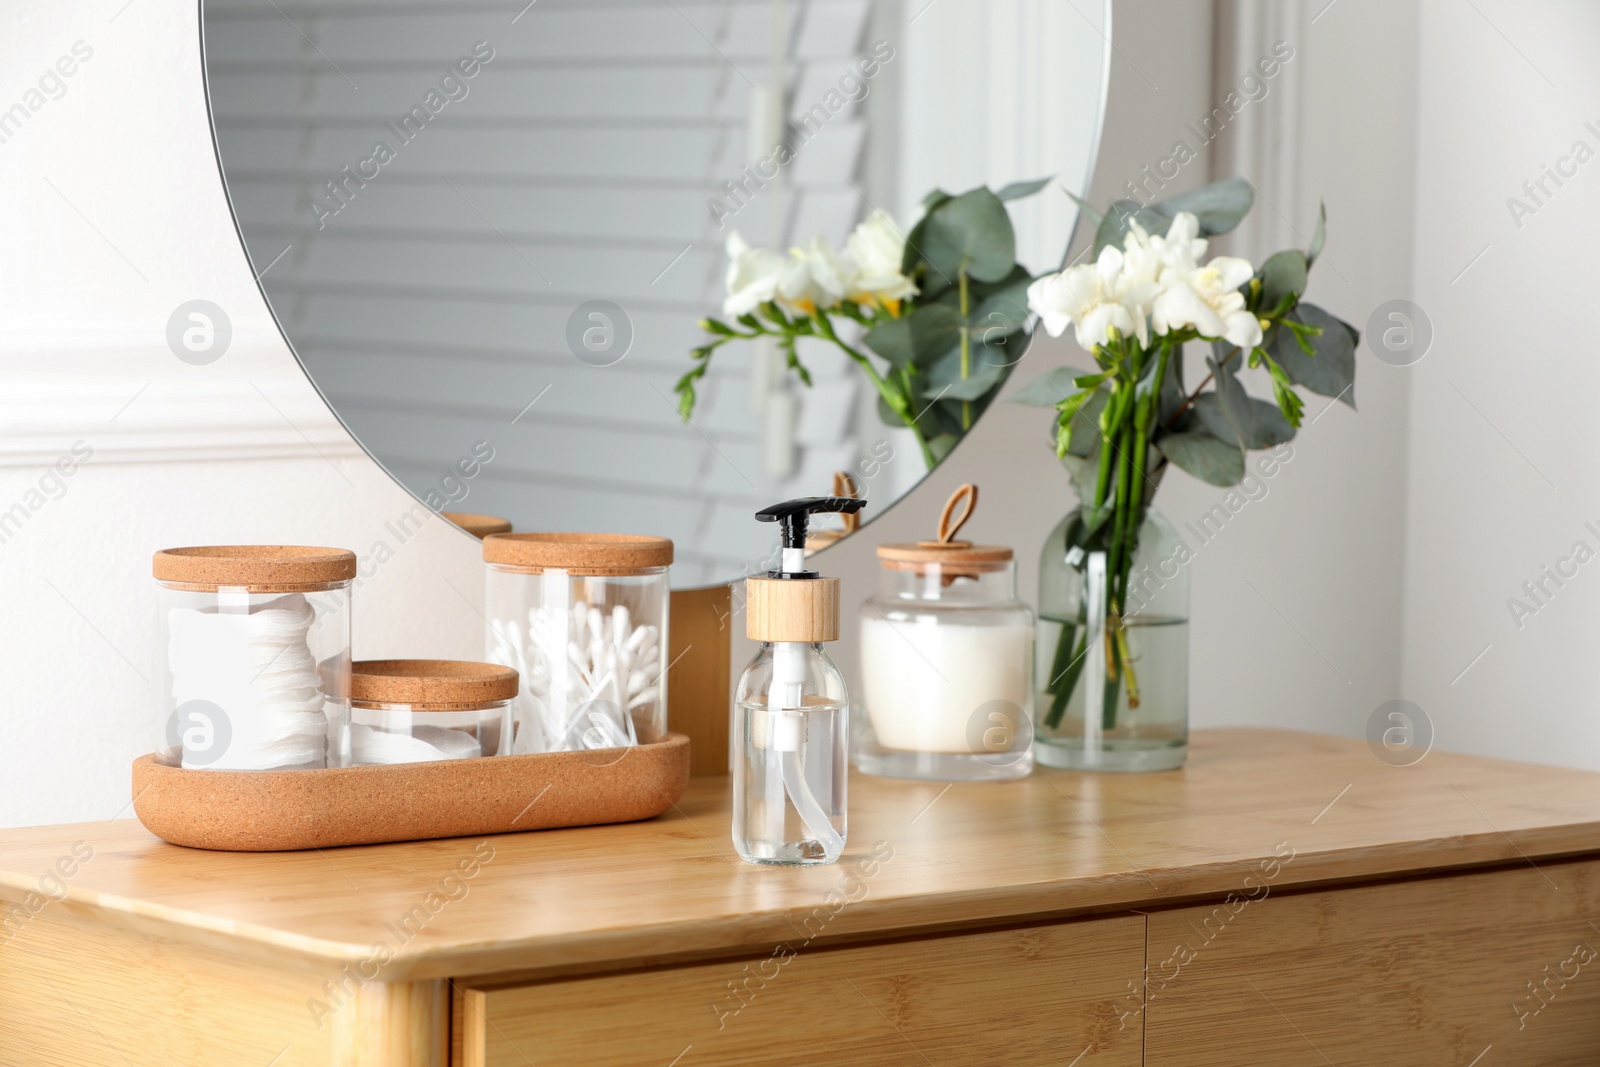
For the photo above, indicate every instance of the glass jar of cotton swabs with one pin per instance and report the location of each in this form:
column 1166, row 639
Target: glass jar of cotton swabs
column 253, row 668
column 583, row 619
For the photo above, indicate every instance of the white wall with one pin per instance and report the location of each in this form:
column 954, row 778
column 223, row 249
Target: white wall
column 241, row 450
column 1503, row 428
column 1324, row 545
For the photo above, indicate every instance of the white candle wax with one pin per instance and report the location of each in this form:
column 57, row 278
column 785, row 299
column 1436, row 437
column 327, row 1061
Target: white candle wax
column 925, row 680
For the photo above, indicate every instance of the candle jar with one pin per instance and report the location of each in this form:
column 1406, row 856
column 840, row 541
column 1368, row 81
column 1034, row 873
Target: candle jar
column 253, row 671
column 417, row 711
column 583, row 619
column 946, row 663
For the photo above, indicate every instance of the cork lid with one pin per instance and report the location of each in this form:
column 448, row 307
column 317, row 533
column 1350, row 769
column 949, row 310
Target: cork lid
column 479, row 526
column 578, row 553
column 431, row 682
column 953, row 556
column 261, row 568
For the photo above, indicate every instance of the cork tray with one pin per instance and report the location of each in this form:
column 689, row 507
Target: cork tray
column 274, row 811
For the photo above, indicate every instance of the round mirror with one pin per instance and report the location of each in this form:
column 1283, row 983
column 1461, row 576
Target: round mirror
column 651, row 265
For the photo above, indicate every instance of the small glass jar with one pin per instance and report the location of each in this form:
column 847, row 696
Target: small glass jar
column 583, row 619
column 253, row 668
column 946, row 663
column 418, row 711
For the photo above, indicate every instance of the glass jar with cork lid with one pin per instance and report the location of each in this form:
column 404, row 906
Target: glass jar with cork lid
column 417, row 711
column 582, row 617
column 253, row 672
column 946, row 660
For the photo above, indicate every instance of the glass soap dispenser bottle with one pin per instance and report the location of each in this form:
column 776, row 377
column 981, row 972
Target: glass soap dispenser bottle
column 791, row 710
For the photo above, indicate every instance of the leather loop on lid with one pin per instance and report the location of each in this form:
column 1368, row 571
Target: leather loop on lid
column 578, row 553
column 955, row 556
column 266, row 568
column 949, row 523
column 430, row 681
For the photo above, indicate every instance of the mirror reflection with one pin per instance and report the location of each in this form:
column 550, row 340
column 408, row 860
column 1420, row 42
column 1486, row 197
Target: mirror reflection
column 506, row 240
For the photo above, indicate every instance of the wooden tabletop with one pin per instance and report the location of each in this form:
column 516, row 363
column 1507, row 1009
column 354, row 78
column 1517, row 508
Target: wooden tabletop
column 1287, row 808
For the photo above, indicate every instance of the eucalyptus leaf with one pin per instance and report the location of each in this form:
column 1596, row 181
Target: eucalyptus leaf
column 944, row 380
column 971, row 233
column 892, row 341
column 918, row 338
column 1050, row 389
column 1253, row 423
column 1000, row 306
column 1086, row 424
column 1260, row 425
column 1018, row 190
column 1319, row 237
column 1332, row 371
column 941, row 444
column 934, row 329
column 1084, row 470
column 1117, row 221
column 1218, row 207
column 1283, row 273
column 1206, row 457
column 1090, row 212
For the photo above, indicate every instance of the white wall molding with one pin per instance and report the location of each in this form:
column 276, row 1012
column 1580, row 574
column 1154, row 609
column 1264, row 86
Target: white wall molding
column 1262, row 143
column 132, row 401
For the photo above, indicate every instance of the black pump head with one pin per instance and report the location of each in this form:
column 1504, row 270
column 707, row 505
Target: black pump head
column 792, row 515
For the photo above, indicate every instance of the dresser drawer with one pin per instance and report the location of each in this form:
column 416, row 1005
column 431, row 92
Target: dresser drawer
column 1490, row 969
column 1034, row 995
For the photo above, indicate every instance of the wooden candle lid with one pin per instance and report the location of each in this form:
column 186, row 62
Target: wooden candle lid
column 578, row 553
column 260, row 568
column 479, row 526
column 954, row 557
column 431, row 682
column 791, row 609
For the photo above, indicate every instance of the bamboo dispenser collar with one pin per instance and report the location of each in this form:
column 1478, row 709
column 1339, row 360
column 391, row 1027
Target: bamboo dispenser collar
column 431, row 682
column 578, row 553
column 955, row 557
column 261, row 568
column 792, row 609
column 479, row 526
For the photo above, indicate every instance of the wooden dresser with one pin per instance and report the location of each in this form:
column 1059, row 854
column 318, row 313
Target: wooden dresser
column 1286, row 899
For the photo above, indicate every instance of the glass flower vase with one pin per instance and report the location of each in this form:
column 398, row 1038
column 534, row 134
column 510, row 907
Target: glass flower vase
column 1113, row 661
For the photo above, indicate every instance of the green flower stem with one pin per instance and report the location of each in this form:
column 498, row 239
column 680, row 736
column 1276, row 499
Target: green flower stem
column 897, row 399
column 1065, row 667
column 966, row 347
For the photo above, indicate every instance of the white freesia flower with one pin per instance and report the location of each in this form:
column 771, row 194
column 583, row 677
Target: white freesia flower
column 827, row 279
column 1181, row 247
column 872, row 256
column 1156, row 277
column 1091, row 298
column 1208, row 299
column 755, row 276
